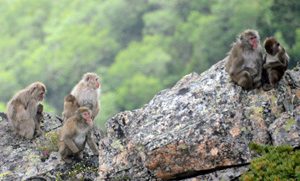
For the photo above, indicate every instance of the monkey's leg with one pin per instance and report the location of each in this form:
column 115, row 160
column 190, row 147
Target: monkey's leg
column 64, row 152
column 71, row 145
column 244, row 80
column 273, row 77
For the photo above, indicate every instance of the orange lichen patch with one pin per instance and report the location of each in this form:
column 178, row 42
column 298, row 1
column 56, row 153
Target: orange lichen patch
column 153, row 164
column 201, row 148
column 103, row 169
column 298, row 93
column 177, row 169
column 235, row 131
column 130, row 146
column 121, row 158
column 227, row 162
column 177, row 158
column 214, row 152
column 164, row 175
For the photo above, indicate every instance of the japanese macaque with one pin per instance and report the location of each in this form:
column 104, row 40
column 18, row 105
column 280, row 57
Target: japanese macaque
column 87, row 92
column 76, row 131
column 70, row 106
column 276, row 62
column 39, row 117
column 244, row 63
column 24, row 110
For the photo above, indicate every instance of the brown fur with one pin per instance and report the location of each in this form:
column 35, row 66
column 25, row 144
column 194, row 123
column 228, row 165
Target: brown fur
column 70, row 106
column 244, row 63
column 23, row 110
column 87, row 93
column 276, row 62
column 76, row 128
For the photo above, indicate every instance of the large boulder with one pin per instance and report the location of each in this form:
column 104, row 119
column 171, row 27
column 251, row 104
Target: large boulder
column 200, row 127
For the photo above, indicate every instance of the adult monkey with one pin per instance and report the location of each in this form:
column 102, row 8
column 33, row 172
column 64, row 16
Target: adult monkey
column 87, row 92
column 24, row 110
column 244, row 63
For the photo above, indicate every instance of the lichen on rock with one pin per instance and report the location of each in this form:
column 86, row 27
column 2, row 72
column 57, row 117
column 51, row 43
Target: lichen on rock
column 202, row 125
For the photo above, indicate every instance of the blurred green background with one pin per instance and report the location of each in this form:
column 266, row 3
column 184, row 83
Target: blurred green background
column 138, row 47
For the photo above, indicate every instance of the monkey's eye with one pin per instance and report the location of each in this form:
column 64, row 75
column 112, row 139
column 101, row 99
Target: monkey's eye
column 278, row 44
column 252, row 38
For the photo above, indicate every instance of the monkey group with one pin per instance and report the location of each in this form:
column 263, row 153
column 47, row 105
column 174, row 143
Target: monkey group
column 250, row 67
column 81, row 106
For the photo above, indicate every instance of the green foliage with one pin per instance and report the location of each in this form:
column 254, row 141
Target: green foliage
column 76, row 172
column 137, row 47
column 275, row 163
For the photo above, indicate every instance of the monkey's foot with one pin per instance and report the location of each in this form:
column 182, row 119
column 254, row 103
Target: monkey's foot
column 67, row 160
column 267, row 87
column 38, row 132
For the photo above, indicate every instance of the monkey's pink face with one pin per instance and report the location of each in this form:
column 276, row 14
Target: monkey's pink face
column 87, row 117
column 38, row 92
column 41, row 95
column 93, row 82
column 253, row 42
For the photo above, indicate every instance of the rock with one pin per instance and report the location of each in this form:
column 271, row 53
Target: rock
column 203, row 124
column 38, row 159
column 286, row 129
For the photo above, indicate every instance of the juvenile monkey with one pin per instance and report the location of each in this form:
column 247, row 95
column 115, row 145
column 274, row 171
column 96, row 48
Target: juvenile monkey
column 87, row 92
column 23, row 110
column 70, row 106
column 244, row 63
column 76, row 131
column 276, row 62
column 39, row 117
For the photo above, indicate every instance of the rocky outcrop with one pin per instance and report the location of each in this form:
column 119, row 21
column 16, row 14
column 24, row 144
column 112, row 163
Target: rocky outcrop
column 38, row 159
column 200, row 128
column 197, row 130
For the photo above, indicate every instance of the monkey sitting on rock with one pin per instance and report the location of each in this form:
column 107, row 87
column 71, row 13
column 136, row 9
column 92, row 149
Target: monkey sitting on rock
column 276, row 63
column 25, row 112
column 245, row 59
column 87, row 92
column 75, row 133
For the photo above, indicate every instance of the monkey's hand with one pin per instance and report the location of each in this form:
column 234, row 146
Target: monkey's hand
column 277, row 64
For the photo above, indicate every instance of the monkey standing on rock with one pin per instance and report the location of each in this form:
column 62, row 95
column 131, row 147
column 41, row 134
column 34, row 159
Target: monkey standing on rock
column 74, row 134
column 276, row 62
column 87, row 92
column 244, row 63
column 24, row 110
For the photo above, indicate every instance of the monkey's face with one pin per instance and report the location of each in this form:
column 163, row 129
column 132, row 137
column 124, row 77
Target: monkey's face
column 38, row 91
column 250, row 39
column 93, row 81
column 86, row 115
column 253, row 41
column 272, row 46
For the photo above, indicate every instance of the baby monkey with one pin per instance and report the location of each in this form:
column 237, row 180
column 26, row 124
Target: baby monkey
column 75, row 133
column 276, row 62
